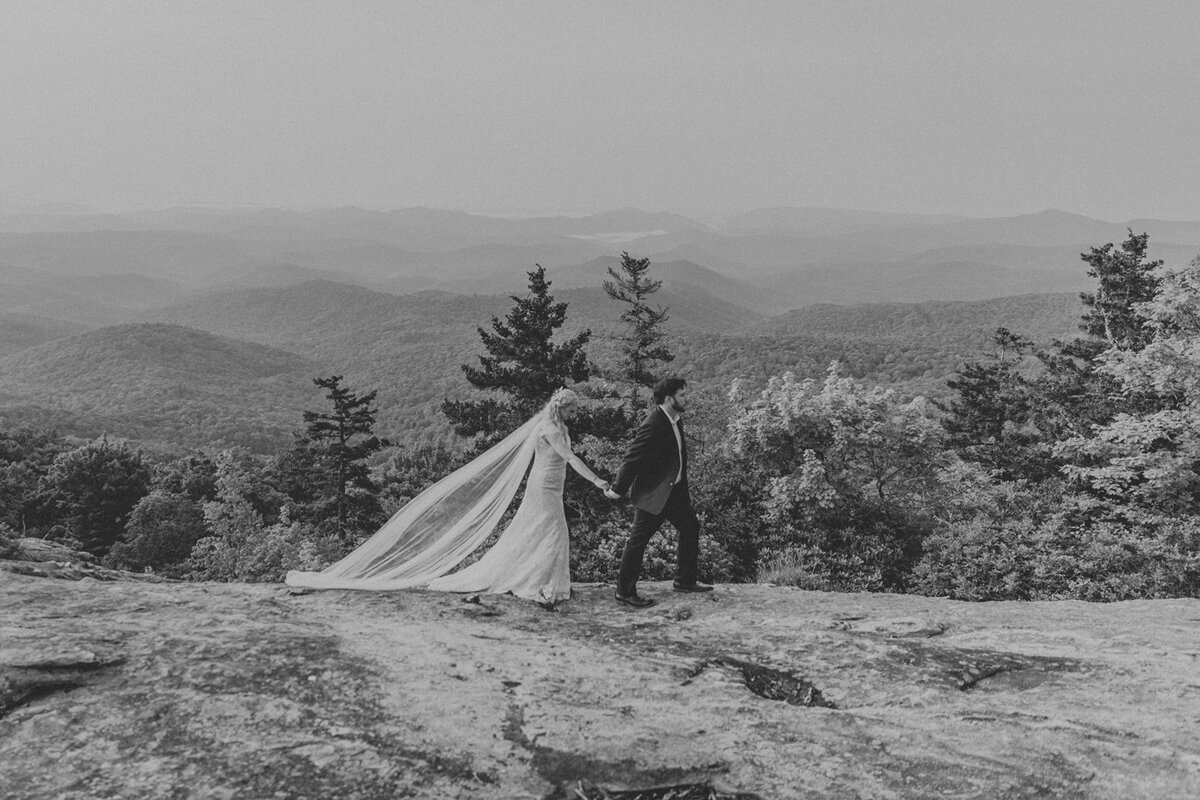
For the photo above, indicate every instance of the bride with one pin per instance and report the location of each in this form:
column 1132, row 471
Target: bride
column 441, row 526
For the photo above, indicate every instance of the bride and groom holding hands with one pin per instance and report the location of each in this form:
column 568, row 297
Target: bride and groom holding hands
column 439, row 528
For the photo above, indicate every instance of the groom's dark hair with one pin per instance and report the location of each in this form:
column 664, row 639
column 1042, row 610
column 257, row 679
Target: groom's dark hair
column 666, row 388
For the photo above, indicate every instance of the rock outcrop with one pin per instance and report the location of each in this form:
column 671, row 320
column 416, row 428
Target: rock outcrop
column 127, row 689
column 39, row 558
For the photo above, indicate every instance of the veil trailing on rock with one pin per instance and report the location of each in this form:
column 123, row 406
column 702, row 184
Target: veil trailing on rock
column 438, row 528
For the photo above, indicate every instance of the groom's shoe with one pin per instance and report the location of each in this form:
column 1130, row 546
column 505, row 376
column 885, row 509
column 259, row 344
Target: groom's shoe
column 691, row 587
column 635, row 600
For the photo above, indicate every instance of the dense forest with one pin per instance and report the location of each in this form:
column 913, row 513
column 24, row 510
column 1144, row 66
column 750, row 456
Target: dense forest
column 235, row 368
column 912, row 448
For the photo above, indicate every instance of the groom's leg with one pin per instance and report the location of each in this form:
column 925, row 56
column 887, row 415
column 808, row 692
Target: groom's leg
column 645, row 525
column 683, row 518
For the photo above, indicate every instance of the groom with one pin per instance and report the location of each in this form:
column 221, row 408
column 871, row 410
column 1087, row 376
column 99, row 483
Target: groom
column 655, row 475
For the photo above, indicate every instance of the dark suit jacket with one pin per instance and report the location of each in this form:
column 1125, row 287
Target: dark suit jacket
column 651, row 463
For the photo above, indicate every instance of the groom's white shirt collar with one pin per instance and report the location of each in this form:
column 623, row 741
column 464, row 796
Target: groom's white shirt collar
column 673, row 418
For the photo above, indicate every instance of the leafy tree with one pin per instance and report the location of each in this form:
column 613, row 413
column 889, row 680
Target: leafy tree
column 93, row 489
column 231, row 519
column 989, row 536
column 411, row 471
column 850, row 475
column 643, row 340
column 25, row 458
column 194, row 476
column 162, row 530
column 521, row 361
column 331, row 458
column 728, row 492
column 240, row 545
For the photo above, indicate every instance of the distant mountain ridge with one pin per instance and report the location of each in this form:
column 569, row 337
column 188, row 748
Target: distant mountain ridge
column 790, row 256
column 1041, row 317
column 826, row 221
column 257, row 302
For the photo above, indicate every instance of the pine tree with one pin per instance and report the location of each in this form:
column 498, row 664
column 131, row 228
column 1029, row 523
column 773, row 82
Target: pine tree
column 1074, row 395
column 521, row 361
column 1126, row 278
column 988, row 421
column 643, row 340
column 338, row 444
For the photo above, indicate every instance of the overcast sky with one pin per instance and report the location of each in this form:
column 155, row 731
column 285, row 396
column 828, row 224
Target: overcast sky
column 977, row 108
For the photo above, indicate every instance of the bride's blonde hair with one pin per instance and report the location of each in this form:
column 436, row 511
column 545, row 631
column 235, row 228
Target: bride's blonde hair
column 560, row 398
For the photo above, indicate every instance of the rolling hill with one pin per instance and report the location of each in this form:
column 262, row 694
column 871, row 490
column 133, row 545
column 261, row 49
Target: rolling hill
column 21, row 331
column 241, row 371
column 159, row 381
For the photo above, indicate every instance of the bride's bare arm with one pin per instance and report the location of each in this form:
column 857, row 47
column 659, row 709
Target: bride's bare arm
column 563, row 448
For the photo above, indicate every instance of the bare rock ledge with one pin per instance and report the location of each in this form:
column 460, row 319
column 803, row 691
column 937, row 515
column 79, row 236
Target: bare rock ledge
column 129, row 689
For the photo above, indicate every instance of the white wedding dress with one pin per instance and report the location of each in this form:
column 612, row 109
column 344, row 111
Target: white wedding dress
column 531, row 559
column 439, row 528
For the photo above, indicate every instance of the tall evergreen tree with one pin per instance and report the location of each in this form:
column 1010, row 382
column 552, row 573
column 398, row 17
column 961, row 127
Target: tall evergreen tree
column 521, row 361
column 1125, row 279
column 643, row 340
column 988, row 421
column 1073, row 393
column 338, row 444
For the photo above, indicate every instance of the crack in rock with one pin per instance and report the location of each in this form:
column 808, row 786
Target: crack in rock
column 967, row 669
column 586, row 790
column 972, row 678
column 768, row 683
column 26, row 679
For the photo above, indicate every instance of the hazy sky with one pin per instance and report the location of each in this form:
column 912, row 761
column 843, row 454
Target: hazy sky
column 978, row 108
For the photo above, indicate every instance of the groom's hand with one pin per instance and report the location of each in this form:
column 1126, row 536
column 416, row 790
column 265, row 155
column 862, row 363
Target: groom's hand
column 611, row 495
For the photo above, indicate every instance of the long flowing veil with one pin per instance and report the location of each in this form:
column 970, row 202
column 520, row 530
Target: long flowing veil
column 438, row 528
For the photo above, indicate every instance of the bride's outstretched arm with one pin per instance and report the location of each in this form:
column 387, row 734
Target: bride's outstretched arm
column 563, row 447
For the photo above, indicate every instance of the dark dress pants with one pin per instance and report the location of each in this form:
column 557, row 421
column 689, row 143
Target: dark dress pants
column 678, row 511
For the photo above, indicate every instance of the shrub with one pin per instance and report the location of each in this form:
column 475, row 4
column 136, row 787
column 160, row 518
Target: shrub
column 1057, row 555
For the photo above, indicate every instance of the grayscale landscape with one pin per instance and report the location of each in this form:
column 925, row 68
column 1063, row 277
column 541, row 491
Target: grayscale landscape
column 283, row 285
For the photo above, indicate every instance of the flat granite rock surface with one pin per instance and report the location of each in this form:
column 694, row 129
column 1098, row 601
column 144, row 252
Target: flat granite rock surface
column 128, row 689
